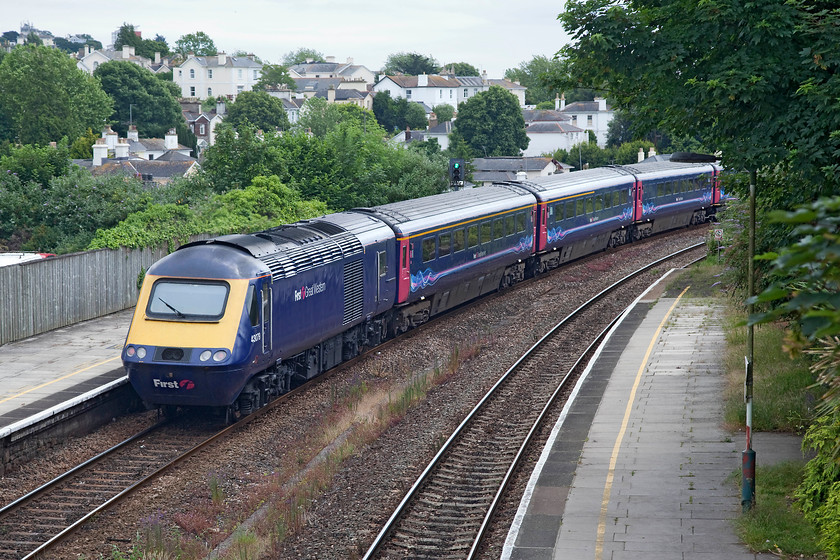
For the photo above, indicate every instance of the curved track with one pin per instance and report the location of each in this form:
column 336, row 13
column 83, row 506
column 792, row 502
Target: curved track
column 445, row 513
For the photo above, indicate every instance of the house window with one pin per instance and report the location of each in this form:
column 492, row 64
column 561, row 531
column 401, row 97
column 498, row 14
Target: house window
column 209, row 92
column 440, row 94
column 408, row 94
column 239, row 73
column 574, row 120
column 475, row 91
column 192, row 73
column 210, row 73
column 239, row 89
column 255, row 75
column 588, row 120
column 180, row 73
column 450, row 94
column 192, row 91
column 201, row 129
column 465, row 92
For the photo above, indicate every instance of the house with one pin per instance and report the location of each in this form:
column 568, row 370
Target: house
column 90, row 60
column 452, row 90
column 592, row 115
column 346, row 71
column 200, row 77
column 492, row 169
column 203, row 123
column 152, row 173
column 549, row 131
column 439, row 132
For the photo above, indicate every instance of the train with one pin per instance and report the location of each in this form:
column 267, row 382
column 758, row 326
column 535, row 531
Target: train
column 234, row 321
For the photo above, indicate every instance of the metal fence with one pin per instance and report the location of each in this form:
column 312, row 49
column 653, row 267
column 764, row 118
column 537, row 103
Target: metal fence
column 39, row 296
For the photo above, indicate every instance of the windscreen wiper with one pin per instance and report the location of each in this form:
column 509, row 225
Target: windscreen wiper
column 178, row 313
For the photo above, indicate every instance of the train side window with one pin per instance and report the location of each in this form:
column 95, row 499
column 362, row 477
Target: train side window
column 616, row 198
column 599, row 203
column 252, row 305
column 472, row 236
column 383, row 263
column 579, row 210
column 520, row 222
column 589, row 205
column 570, row 209
column 498, row 228
column 607, row 200
column 428, row 249
column 445, row 244
column 458, row 241
column 486, row 232
column 510, row 225
column 266, row 301
column 404, row 257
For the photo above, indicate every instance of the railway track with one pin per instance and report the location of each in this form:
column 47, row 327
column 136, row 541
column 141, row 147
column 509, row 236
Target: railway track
column 446, row 512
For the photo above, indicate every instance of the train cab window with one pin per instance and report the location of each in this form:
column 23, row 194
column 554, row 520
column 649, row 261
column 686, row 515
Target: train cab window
column 486, row 232
column 428, row 249
column 510, row 226
column 177, row 300
column 472, row 236
column 445, row 244
column 589, row 205
column 498, row 228
column 382, row 263
column 458, row 240
column 252, row 305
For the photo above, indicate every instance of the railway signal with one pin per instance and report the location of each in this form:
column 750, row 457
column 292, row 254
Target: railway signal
column 456, row 173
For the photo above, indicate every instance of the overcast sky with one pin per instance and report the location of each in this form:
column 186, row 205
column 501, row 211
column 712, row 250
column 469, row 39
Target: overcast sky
column 492, row 35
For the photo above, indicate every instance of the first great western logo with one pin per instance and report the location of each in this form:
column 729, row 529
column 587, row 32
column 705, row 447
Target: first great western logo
column 309, row 291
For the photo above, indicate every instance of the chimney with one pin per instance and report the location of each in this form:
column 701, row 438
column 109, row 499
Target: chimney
column 641, row 154
column 422, row 80
column 556, row 101
column 349, row 60
column 121, row 150
column 407, row 134
column 110, row 137
column 222, row 59
column 125, row 52
column 170, row 141
column 157, row 57
column 484, row 76
column 220, row 107
column 652, row 152
column 330, row 59
column 433, row 122
column 521, row 176
column 331, row 95
column 53, row 144
column 133, row 134
column 562, row 101
column 602, row 103
column 100, row 152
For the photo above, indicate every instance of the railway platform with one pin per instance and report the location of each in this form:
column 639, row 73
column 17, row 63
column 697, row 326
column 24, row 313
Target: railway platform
column 637, row 465
column 45, row 374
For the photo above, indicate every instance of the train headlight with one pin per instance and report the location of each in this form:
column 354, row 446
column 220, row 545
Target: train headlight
column 141, row 352
column 205, row 355
column 130, row 351
column 219, row 355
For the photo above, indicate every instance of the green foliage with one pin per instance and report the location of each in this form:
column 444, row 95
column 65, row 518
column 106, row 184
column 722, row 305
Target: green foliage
column 274, row 75
column 460, row 69
column 44, row 97
column 301, row 55
column 398, row 114
column 819, row 493
column 33, row 163
column 127, row 35
column 410, row 64
column 319, row 116
column 82, row 147
column 139, row 96
column 540, row 76
column 198, row 43
column 491, row 124
column 444, row 112
column 258, row 109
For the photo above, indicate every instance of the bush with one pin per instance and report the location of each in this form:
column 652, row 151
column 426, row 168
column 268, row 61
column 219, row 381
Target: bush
column 819, row 493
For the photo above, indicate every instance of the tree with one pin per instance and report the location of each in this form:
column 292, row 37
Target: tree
column 258, row 109
column 398, row 114
column 320, row 117
column 198, row 43
column 410, row 64
column 444, row 112
column 539, row 75
column 300, row 56
column 127, row 35
column 491, row 123
column 139, row 97
column 44, row 97
column 274, row 75
column 33, row 39
column 460, row 69
column 82, row 147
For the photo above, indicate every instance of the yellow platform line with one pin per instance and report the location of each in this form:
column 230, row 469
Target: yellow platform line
column 69, row 375
column 605, row 501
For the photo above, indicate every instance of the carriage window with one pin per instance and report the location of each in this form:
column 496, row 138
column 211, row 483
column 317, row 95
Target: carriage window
column 607, row 200
column 570, row 209
column 579, row 211
column 383, row 264
column 428, row 249
column 520, row 222
column 589, row 205
column 486, row 232
column 458, row 241
column 472, row 236
column 498, row 228
column 616, row 198
column 599, row 203
column 252, row 306
column 445, row 243
column 510, row 226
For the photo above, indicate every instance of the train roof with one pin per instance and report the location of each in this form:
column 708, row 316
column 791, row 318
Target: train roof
column 414, row 216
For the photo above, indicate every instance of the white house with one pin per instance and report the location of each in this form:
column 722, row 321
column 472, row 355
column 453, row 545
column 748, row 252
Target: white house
column 491, row 169
column 549, row 131
column 452, row 90
column 331, row 69
column 205, row 76
column 589, row 115
column 90, row 60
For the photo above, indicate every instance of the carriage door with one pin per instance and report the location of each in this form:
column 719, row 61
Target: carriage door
column 266, row 317
column 404, row 286
column 637, row 200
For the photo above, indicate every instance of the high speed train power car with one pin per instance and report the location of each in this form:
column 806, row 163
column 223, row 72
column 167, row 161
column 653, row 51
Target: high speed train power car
column 234, row 321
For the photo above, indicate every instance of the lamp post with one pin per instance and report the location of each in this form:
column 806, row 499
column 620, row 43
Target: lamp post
column 748, row 455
